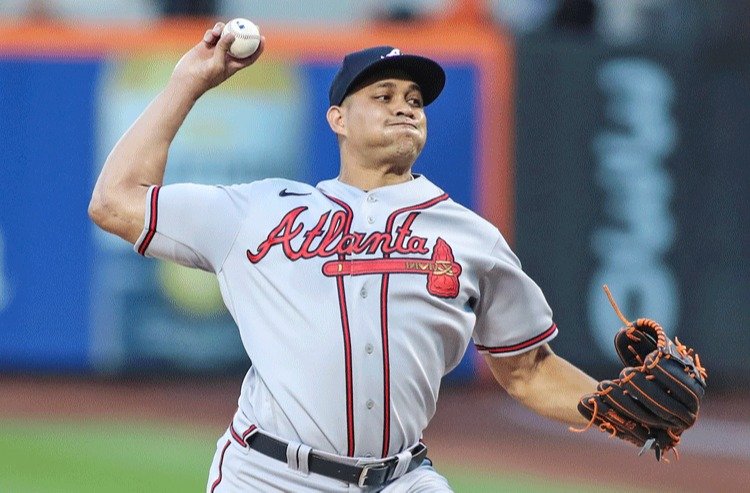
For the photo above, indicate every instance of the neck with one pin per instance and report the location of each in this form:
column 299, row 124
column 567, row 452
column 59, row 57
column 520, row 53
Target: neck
column 367, row 175
column 369, row 179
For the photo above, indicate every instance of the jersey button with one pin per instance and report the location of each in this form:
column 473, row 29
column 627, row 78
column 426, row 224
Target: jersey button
column 369, row 348
column 370, row 219
column 370, row 404
column 372, row 198
column 363, row 293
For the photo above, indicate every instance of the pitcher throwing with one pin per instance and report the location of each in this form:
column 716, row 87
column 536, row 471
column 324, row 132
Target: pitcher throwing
column 353, row 297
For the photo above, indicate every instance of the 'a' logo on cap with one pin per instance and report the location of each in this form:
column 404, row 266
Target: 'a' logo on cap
column 394, row 52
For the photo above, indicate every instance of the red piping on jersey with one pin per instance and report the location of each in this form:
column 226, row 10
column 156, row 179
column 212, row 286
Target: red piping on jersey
column 221, row 463
column 241, row 439
column 384, row 316
column 347, row 337
column 152, row 221
column 386, row 366
column 348, row 365
column 520, row 345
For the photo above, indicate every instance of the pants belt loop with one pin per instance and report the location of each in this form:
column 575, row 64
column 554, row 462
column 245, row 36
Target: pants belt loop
column 292, row 455
column 298, row 457
column 404, row 459
column 304, row 459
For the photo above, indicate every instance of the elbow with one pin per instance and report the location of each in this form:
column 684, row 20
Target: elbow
column 511, row 380
column 104, row 212
column 95, row 210
column 117, row 213
column 521, row 375
column 98, row 210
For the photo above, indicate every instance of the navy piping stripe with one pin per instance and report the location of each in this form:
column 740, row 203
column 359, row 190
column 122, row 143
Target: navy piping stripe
column 347, row 338
column 386, row 365
column 384, row 323
column 348, row 365
column 152, row 221
column 520, row 345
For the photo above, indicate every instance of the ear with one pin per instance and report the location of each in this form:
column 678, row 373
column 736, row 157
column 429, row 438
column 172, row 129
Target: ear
column 335, row 117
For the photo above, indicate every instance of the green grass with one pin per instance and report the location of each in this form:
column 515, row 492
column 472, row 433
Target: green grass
column 102, row 457
column 139, row 457
column 477, row 481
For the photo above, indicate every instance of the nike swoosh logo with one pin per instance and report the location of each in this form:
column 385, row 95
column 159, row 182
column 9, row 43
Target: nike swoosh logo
column 284, row 193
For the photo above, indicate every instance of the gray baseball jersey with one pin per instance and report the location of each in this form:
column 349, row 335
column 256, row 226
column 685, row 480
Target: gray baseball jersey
column 352, row 305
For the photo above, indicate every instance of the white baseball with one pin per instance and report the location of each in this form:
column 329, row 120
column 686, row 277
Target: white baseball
column 246, row 37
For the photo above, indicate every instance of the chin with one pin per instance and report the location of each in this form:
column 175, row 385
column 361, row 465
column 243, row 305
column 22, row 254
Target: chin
column 407, row 148
column 408, row 143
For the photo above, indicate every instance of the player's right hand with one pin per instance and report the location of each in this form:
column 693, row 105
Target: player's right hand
column 208, row 63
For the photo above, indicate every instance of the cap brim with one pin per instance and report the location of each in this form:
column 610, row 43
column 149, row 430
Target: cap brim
column 428, row 74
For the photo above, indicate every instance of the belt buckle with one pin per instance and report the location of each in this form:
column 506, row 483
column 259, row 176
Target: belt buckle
column 366, row 471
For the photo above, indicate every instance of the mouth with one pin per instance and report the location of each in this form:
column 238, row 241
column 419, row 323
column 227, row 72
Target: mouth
column 404, row 124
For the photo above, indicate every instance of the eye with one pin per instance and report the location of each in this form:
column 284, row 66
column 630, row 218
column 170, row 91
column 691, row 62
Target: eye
column 383, row 97
column 416, row 102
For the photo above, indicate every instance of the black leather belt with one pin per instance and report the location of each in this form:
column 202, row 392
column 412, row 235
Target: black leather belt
column 375, row 474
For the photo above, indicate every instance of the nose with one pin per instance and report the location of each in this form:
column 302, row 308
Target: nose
column 405, row 109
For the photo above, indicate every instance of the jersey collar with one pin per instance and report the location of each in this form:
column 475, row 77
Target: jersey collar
column 418, row 190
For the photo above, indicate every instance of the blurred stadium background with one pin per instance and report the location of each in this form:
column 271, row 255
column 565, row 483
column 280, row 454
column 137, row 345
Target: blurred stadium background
column 606, row 138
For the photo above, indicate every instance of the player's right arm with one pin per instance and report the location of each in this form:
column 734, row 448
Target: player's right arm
column 139, row 158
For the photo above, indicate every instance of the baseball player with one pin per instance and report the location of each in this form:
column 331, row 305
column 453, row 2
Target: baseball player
column 353, row 297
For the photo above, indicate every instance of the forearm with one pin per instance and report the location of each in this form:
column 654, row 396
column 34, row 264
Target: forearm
column 138, row 160
column 545, row 383
column 140, row 156
column 555, row 389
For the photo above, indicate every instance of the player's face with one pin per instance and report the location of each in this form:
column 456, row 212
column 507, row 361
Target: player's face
column 386, row 117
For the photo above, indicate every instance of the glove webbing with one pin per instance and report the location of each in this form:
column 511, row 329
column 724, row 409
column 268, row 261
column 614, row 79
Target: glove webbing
column 666, row 350
column 660, row 343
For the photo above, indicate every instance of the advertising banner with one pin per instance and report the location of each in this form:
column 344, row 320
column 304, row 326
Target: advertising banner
column 47, row 128
column 626, row 176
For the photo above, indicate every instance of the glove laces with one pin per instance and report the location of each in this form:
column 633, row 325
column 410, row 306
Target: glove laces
column 683, row 350
column 632, row 332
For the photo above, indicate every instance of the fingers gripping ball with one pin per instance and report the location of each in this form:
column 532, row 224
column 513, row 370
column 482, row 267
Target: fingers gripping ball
column 656, row 397
column 246, row 37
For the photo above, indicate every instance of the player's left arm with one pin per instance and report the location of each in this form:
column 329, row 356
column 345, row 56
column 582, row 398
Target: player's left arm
column 544, row 382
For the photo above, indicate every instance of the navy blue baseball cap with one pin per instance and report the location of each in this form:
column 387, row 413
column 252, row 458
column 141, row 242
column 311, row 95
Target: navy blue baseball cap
column 358, row 66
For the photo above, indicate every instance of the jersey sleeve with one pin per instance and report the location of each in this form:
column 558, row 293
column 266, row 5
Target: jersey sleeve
column 192, row 225
column 512, row 314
